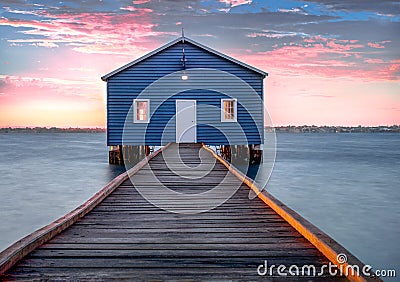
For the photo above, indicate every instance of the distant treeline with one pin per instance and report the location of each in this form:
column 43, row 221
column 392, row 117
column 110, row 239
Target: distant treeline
column 50, row 130
column 289, row 129
column 337, row 129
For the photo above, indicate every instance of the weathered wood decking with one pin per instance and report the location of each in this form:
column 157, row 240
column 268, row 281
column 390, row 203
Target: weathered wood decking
column 126, row 237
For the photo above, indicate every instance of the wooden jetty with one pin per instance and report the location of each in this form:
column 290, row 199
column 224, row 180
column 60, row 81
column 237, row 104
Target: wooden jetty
column 118, row 235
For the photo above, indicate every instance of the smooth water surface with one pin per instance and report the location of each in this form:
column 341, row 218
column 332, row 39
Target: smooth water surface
column 346, row 184
column 46, row 175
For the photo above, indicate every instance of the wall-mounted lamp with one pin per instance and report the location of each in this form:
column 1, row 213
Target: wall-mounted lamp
column 184, row 74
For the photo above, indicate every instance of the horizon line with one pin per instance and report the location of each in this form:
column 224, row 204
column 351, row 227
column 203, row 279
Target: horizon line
column 289, row 125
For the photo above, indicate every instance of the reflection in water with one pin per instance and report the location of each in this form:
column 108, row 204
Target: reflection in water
column 115, row 170
column 252, row 170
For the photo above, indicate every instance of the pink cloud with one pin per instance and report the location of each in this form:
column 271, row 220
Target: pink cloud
column 204, row 35
column 103, row 33
column 271, row 34
column 324, row 57
column 66, row 88
column 46, row 44
column 134, row 9
column 25, row 23
column 378, row 45
column 340, row 47
column 65, row 82
column 139, row 2
column 375, row 45
column 234, row 3
column 374, row 61
column 303, row 74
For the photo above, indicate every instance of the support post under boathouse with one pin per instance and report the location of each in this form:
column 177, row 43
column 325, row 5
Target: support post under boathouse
column 128, row 154
column 185, row 92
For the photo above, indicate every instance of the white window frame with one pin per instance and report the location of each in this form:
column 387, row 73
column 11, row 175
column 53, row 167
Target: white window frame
column 234, row 110
column 135, row 120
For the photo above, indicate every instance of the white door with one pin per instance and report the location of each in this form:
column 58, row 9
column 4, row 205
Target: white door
column 185, row 121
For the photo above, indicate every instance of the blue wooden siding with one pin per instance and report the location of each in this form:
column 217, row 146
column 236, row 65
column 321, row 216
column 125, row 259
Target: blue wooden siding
column 126, row 85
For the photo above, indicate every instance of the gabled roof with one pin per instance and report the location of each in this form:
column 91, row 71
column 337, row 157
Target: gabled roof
column 183, row 39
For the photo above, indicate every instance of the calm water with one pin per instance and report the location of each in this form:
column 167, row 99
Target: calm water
column 346, row 184
column 349, row 186
column 44, row 176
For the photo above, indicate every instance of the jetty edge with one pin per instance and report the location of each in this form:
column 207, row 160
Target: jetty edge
column 18, row 250
column 326, row 245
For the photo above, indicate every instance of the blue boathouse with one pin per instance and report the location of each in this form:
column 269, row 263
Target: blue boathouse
column 185, row 92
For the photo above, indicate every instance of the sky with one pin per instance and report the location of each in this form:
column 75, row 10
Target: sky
column 330, row 62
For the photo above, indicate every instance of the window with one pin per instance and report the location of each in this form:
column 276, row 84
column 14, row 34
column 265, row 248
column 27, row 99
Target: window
column 141, row 110
column 228, row 110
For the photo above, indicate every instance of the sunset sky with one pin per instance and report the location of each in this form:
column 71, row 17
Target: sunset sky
column 333, row 62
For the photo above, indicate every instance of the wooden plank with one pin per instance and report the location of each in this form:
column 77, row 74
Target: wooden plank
column 165, row 262
column 202, row 223
column 298, row 246
column 180, row 253
column 210, row 216
column 207, row 273
column 184, row 240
